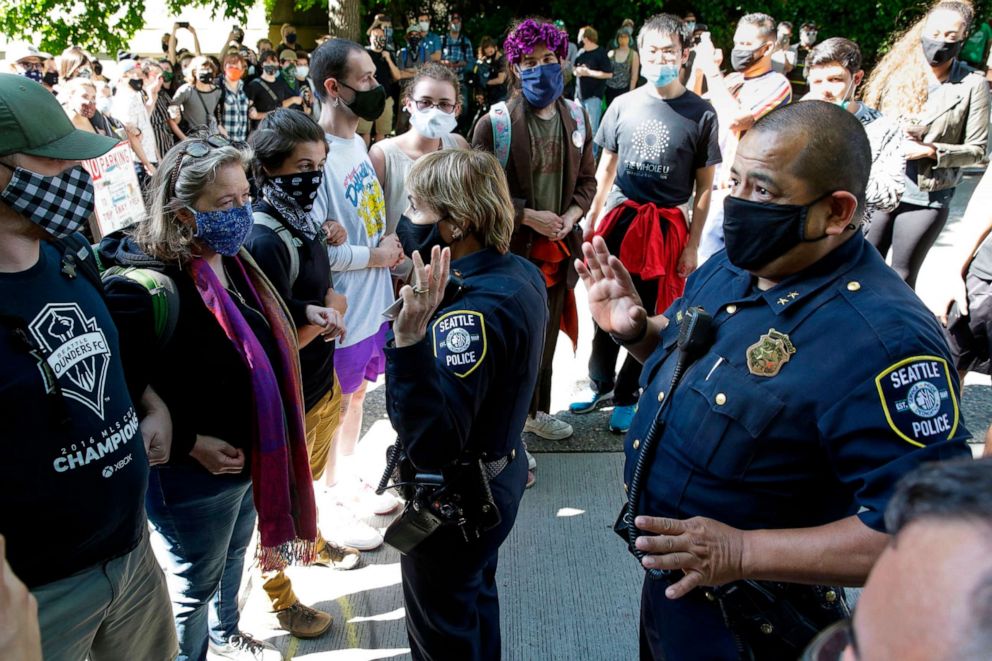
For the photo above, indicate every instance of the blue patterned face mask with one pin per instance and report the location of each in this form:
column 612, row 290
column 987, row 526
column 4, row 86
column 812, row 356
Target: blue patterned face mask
column 542, row 84
column 225, row 231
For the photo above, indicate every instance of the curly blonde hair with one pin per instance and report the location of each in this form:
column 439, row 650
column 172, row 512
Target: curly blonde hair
column 899, row 85
column 469, row 187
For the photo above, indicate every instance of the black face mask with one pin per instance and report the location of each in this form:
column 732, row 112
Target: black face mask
column 940, row 52
column 205, row 76
column 134, row 84
column 301, row 187
column 756, row 233
column 51, row 79
column 291, row 38
column 742, row 58
column 367, row 104
column 270, row 69
column 419, row 237
column 165, row 46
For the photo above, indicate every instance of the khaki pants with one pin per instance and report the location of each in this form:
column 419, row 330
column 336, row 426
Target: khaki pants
column 322, row 421
column 383, row 125
column 119, row 609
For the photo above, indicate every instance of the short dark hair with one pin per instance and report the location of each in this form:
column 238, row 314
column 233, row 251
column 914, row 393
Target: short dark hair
column 330, row 60
column 764, row 23
column 786, row 24
column 277, row 135
column 959, row 489
column 837, row 154
column 835, row 50
column 808, row 26
column 267, row 55
column 665, row 24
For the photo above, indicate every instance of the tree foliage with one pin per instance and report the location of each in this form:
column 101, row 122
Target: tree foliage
column 107, row 26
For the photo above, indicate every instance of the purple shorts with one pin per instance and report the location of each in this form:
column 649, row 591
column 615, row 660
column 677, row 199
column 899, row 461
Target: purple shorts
column 362, row 360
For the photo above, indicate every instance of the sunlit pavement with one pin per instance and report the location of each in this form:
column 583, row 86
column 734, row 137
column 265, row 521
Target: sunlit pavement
column 568, row 589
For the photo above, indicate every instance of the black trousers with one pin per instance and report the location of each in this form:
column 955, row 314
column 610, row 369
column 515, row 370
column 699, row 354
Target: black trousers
column 910, row 231
column 603, row 359
column 542, row 391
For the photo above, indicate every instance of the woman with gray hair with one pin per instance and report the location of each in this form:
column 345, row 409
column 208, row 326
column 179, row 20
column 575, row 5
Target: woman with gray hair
column 229, row 369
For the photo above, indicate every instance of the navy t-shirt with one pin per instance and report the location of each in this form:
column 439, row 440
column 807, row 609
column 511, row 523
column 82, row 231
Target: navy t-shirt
column 660, row 143
column 74, row 470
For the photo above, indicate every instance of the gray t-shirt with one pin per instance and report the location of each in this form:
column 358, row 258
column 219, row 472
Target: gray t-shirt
column 199, row 108
column 660, row 144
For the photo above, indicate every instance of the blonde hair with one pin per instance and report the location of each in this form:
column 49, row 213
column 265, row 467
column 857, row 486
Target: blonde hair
column 469, row 187
column 437, row 72
column 163, row 235
column 899, row 84
column 71, row 61
column 194, row 66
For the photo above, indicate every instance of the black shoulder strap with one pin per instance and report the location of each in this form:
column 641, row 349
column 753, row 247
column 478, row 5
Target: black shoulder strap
column 78, row 256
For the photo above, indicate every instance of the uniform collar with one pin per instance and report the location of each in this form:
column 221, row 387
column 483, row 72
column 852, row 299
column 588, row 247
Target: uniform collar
column 478, row 262
column 806, row 283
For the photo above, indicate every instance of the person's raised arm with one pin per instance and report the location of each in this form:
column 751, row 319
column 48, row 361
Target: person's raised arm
column 196, row 40
column 172, row 45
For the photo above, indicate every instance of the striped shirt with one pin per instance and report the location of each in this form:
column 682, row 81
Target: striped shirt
column 763, row 94
column 236, row 112
column 164, row 137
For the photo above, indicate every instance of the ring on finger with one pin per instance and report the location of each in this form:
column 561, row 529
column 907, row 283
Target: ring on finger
column 420, row 290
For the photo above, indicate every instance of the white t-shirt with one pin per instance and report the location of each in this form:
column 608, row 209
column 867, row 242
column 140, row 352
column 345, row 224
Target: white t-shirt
column 352, row 196
column 129, row 109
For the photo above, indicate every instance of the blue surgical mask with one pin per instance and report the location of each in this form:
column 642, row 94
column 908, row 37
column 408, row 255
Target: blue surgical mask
column 224, row 231
column 542, row 85
column 667, row 73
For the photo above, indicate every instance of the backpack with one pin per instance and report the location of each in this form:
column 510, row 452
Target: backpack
column 499, row 117
column 79, row 256
column 292, row 243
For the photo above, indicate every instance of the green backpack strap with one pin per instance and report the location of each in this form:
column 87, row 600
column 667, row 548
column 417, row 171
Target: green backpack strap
column 292, row 243
column 499, row 117
column 164, row 295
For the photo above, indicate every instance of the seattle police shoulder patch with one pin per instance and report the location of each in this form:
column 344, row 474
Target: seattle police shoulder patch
column 460, row 341
column 918, row 400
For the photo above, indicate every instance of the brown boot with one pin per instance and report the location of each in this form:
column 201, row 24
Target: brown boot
column 338, row 557
column 303, row 621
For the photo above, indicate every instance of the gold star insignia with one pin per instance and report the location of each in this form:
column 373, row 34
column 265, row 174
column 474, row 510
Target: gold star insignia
column 794, row 294
column 783, row 301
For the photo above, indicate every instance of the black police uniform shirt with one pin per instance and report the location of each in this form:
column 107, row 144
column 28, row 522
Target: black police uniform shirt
column 817, row 396
column 271, row 254
column 467, row 385
column 72, row 493
column 660, row 144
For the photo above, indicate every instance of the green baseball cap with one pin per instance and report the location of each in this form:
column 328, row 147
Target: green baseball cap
column 32, row 122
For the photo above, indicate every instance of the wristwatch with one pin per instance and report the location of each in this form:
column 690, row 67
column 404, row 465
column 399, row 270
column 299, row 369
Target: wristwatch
column 634, row 340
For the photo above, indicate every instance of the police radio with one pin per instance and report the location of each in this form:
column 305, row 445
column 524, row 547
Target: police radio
column 696, row 335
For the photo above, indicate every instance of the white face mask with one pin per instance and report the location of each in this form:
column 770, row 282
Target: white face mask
column 432, row 123
column 104, row 104
column 425, row 26
column 302, row 71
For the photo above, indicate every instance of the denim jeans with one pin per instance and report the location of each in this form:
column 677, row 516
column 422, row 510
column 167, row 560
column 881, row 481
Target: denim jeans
column 594, row 107
column 201, row 524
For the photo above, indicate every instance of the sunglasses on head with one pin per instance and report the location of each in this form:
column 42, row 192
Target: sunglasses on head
column 198, row 148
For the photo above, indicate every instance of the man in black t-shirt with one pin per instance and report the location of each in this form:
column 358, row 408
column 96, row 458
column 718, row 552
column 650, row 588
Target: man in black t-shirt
column 269, row 91
column 75, row 469
column 592, row 69
column 387, row 75
column 660, row 145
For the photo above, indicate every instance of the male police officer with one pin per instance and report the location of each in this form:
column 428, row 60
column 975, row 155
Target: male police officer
column 824, row 380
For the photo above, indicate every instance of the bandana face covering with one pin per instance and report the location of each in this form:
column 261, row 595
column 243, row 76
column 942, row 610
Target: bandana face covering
column 60, row 205
column 224, row 231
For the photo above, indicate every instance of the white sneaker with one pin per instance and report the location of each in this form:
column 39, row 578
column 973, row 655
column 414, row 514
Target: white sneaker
column 346, row 530
column 531, row 461
column 244, row 647
column 360, row 496
column 548, row 426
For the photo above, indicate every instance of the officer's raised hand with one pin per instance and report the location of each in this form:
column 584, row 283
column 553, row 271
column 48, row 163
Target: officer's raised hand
column 616, row 308
column 422, row 297
column 709, row 552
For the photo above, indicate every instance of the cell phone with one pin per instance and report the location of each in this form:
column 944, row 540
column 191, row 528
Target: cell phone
column 184, row 24
column 393, row 310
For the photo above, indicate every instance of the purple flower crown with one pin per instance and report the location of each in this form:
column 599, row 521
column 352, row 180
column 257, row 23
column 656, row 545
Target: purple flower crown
column 529, row 34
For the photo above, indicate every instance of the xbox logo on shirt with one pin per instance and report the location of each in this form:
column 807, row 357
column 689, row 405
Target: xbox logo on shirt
column 108, row 471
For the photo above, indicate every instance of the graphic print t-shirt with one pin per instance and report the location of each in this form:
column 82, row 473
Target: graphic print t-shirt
column 72, row 492
column 351, row 195
column 660, row 144
column 546, row 161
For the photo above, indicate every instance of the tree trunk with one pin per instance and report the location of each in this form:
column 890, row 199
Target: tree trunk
column 344, row 19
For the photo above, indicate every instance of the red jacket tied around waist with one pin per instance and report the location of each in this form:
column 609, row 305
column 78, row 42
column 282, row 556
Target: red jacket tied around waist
column 652, row 246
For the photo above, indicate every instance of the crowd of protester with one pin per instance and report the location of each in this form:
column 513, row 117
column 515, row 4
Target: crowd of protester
column 278, row 214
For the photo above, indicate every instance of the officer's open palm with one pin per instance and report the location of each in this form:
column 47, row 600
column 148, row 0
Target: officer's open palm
column 616, row 308
column 421, row 297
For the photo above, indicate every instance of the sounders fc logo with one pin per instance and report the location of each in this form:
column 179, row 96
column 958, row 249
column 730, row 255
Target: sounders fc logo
column 77, row 352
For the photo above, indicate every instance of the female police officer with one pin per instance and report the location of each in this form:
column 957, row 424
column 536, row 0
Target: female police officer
column 458, row 387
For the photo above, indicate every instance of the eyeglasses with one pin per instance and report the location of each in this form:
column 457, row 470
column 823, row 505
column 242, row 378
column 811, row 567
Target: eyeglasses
column 443, row 106
column 829, row 644
column 198, row 148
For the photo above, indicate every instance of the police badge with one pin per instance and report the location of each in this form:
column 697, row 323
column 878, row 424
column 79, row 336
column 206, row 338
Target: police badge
column 766, row 356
